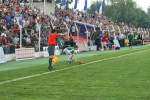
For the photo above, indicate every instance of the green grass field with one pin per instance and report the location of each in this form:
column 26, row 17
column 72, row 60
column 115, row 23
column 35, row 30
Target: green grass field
column 108, row 75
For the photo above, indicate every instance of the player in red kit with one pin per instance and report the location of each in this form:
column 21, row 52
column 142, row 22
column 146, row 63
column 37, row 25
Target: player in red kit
column 52, row 42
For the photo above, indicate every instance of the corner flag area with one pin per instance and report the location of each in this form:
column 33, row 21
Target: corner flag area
column 107, row 75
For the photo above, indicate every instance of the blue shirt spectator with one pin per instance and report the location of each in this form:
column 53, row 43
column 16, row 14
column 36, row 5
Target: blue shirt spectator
column 8, row 19
column 100, row 35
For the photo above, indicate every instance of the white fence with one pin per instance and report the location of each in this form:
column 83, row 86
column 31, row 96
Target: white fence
column 26, row 53
column 2, row 56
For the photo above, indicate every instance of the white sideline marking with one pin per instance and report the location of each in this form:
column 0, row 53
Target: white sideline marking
column 36, row 75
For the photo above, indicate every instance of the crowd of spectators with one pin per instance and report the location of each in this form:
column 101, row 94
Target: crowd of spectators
column 20, row 18
column 16, row 17
column 110, row 34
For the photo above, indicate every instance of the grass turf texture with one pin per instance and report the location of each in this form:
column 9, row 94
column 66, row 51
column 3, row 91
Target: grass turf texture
column 125, row 78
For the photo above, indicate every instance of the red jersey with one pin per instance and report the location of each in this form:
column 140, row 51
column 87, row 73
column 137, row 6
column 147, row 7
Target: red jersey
column 17, row 9
column 52, row 38
column 104, row 38
column 15, row 29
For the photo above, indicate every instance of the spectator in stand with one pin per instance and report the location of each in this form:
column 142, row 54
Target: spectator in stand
column 1, row 40
column 116, row 42
column 14, row 14
column 98, row 41
column 28, row 41
column 15, row 40
column 111, row 42
column 122, row 39
column 15, row 29
column 135, row 41
column 104, row 41
column 4, row 42
column 8, row 18
column 130, row 38
column 1, row 28
column 73, row 30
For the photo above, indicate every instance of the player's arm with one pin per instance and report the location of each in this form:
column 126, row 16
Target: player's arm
column 63, row 34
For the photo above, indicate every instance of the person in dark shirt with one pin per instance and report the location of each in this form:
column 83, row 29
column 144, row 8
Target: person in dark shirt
column 130, row 38
column 0, row 40
column 70, row 49
column 69, row 42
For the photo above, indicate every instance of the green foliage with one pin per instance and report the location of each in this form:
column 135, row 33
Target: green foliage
column 149, row 10
column 127, row 11
column 58, row 1
column 92, row 8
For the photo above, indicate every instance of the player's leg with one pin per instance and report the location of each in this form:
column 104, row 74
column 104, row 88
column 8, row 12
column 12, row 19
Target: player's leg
column 67, row 52
column 51, row 50
column 70, row 58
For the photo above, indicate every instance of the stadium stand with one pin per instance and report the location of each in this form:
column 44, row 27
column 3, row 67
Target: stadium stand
column 20, row 21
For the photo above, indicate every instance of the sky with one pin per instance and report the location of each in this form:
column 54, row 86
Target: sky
column 144, row 4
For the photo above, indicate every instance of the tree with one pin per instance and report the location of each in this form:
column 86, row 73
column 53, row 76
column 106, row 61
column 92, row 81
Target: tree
column 149, row 10
column 126, row 11
column 57, row 1
column 93, row 7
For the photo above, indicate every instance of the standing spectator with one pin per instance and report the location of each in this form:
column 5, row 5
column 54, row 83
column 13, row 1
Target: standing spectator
column 0, row 40
column 15, row 40
column 28, row 41
column 116, row 43
column 8, row 18
column 104, row 41
column 122, row 39
column 130, row 38
column 16, row 29
column 98, row 44
column 98, row 41
column 111, row 42
column 73, row 30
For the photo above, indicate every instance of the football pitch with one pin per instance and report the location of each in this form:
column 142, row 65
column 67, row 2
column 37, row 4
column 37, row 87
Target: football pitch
column 107, row 75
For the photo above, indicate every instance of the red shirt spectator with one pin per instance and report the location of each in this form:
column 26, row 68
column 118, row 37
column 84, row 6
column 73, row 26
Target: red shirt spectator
column 39, row 20
column 15, row 29
column 4, row 41
column 2, row 21
column 104, row 38
column 17, row 9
